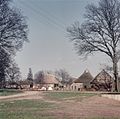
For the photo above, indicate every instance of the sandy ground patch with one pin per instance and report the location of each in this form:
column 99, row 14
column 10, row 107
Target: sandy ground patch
column 24, row 95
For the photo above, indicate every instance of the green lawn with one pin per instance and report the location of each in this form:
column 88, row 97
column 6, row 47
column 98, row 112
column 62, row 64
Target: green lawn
column 25, row 109
column 68, row 95
column 44, row 108
column 5, row 92
column 31, row 109
column 104, row 118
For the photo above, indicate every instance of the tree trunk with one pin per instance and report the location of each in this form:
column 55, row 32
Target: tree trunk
column 115, row 72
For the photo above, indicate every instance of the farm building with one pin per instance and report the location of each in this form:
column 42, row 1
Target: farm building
column 25, row 84
column 83, row 82
column 49, row 82
column 12, row 85
column 102, row 82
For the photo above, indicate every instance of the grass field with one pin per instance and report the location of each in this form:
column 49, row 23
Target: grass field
column 25, row 109
column 6, row 92
column 53, row 105
column 68, row 95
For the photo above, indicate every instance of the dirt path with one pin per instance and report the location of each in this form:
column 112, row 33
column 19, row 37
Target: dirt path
column 24, row 95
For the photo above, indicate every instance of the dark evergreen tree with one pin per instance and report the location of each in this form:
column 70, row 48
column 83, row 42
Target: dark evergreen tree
column 30, row 77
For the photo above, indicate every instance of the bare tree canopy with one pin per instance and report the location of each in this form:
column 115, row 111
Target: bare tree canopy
column 13, row 72
column 39, row 76
column 13, row 33
column 4, row 64
column 13, row 28
column 63, row 76
column 100, row 32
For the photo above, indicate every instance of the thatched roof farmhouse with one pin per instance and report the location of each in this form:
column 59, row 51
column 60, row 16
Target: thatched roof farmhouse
column 83, row 82
column 102, row 82
column 49, row 81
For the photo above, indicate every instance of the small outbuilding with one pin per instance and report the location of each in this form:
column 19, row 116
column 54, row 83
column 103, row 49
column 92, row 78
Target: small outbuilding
column 83, row 82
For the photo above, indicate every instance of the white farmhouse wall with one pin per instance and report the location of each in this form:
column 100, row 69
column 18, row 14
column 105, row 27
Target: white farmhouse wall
column 76, row 86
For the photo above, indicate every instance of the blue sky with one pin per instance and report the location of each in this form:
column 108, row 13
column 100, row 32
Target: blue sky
column 49, row 47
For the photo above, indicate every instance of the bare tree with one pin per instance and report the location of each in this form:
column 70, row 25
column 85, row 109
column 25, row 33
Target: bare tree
column 100, row 32
column 13, row 33
column 63, row 76
column 13, row 28
column 12, row 75
column 107, row 68
column 4, row 64
column 39, row 76
column 13, row 72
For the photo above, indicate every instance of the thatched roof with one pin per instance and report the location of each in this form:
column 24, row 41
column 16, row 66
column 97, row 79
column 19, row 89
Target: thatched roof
column 101, row 77
column 86, row 77
column 102, row 82
column 50, row 79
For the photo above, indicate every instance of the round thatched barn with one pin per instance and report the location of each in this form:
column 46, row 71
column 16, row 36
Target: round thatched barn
column 83, row 82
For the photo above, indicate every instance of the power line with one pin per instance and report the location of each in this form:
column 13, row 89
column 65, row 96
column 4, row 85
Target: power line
column 51, row 21
column 56, row 19
column 36, row 17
